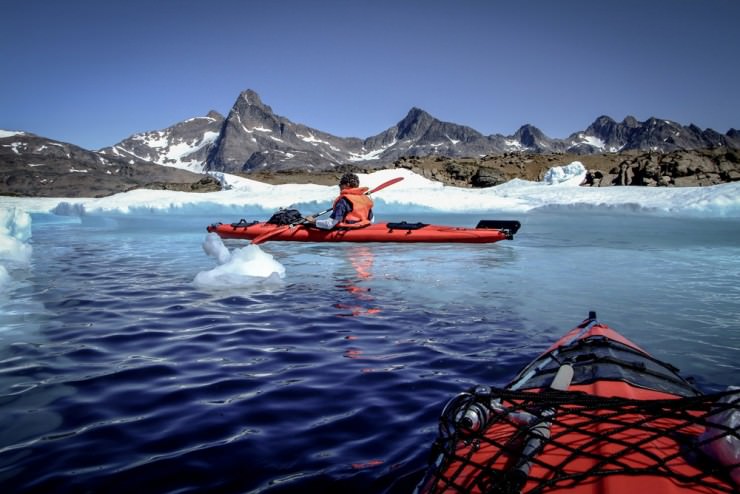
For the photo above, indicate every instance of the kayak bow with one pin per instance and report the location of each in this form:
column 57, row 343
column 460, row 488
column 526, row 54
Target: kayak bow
column 593, row 414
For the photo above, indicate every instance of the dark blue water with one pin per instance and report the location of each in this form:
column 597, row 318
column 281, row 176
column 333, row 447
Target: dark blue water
column 117, row 374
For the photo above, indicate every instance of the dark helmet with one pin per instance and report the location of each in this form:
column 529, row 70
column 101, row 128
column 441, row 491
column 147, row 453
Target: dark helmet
column 349, row 180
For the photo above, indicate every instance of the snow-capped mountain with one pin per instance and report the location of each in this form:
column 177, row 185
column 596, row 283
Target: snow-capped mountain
column 184, row 145
column 253, row 138
column 36, row 166
column 606, row 135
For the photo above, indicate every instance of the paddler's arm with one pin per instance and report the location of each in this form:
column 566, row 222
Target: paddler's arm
column 326, row 224
column 337, row 215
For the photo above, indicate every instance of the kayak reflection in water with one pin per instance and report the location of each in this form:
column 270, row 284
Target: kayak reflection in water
column 361, row 259
column 353, row 208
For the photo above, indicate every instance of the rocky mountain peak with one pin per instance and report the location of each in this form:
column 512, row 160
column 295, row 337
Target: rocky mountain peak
column 607, row 134
column 630, row 121
column 695, row 128
column 251, row 98
column 250, row 110
column 530, row 136
column 602, row 127
column 414, row 124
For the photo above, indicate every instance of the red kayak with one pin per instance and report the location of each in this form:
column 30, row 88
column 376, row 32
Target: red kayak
column 487, row 231
column 593, row 414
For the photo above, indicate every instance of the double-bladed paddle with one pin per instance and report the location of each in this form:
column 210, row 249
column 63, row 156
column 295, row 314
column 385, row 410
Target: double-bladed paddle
column 267, row 236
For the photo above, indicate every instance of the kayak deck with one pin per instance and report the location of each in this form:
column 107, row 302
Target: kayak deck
column 487, row 231
column 605, row 363
column 627, row 422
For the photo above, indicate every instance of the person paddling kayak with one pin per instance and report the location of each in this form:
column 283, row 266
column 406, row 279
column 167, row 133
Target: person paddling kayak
column 353, row 208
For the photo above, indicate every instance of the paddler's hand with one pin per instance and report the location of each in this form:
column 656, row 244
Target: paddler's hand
column 309, row 220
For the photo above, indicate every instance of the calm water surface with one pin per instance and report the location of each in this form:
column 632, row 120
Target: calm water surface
column 117, row 374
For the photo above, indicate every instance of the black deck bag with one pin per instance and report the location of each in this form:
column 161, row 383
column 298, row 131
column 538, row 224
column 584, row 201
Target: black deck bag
column 286, row 217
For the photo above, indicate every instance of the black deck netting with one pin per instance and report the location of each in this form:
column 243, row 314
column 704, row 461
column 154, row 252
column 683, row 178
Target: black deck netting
column 503, row 441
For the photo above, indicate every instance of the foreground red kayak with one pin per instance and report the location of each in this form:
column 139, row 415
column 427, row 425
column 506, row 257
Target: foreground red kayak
column 487, row 231
column 593, row 414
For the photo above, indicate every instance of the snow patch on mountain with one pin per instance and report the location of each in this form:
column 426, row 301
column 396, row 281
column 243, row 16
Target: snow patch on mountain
column 513, row 145
column 582, row 139
column 370, row 155
column 311, row 139
column 9, row 133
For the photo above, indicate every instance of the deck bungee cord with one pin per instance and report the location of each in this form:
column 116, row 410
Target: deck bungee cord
column 580, row 421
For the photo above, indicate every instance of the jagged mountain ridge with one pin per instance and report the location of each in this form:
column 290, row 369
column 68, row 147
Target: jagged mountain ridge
column 253, row 138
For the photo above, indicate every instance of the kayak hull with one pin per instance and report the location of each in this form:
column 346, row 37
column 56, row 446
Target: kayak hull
column 379, row 232
column 594, row 413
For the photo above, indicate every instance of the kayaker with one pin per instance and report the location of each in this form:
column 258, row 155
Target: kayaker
column 352, row 209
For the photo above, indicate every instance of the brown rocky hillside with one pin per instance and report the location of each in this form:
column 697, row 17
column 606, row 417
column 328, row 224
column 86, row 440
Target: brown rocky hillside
column 675, row 169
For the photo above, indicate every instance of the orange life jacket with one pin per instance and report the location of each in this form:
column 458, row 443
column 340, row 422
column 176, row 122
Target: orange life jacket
column 362, row 205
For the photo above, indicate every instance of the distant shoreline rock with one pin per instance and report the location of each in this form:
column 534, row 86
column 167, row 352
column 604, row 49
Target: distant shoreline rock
column 695, row 168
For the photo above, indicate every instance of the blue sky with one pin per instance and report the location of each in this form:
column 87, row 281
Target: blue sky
column 93, row 72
